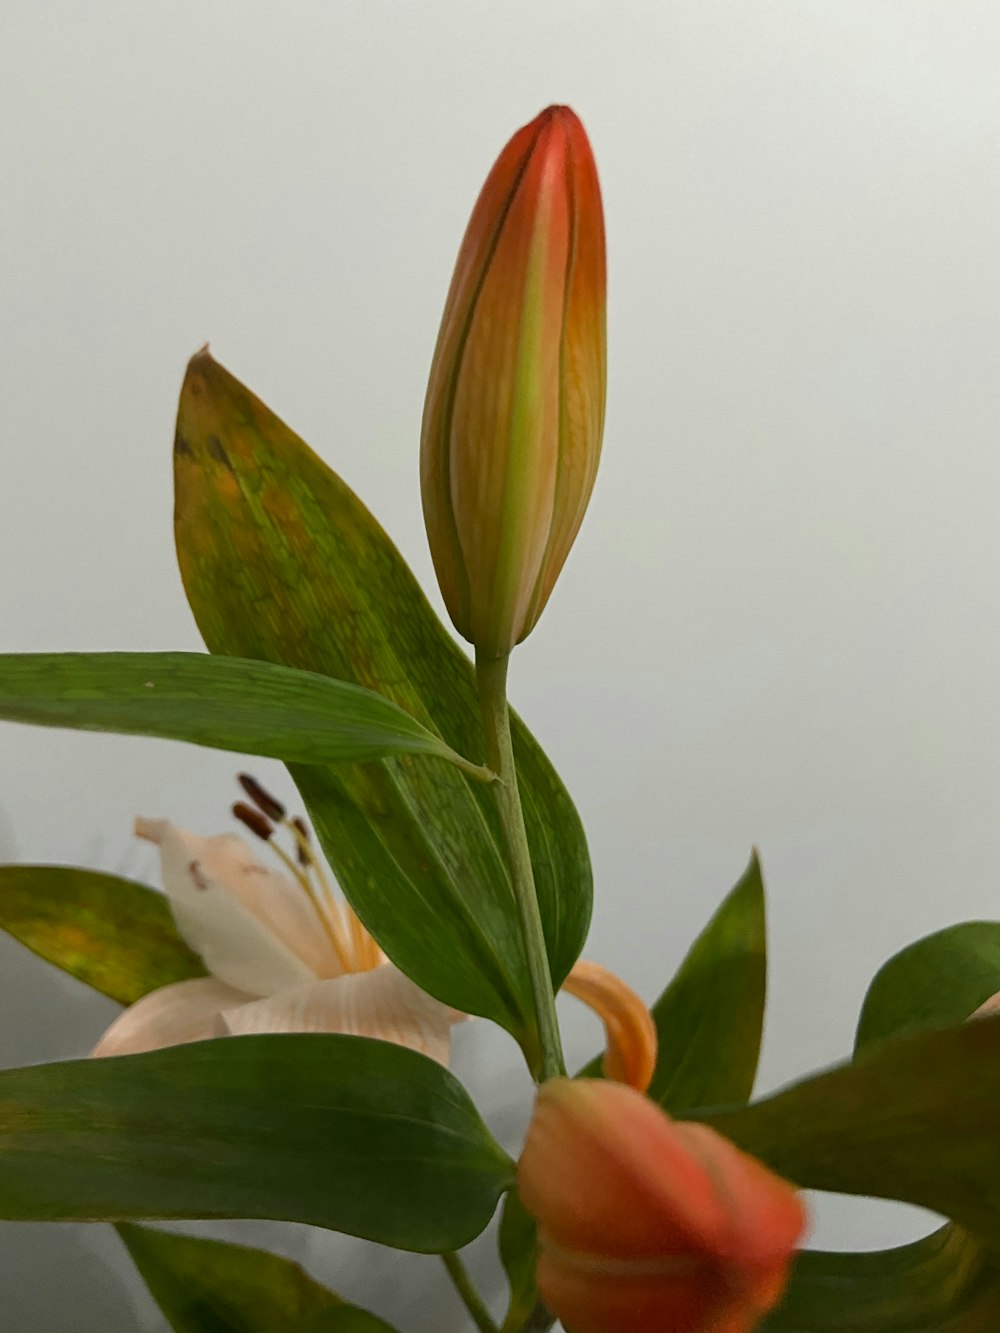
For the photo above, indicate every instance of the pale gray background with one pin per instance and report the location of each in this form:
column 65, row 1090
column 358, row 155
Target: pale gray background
column 780, row 623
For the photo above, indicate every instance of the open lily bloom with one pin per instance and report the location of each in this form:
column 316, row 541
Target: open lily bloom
column 281, row 952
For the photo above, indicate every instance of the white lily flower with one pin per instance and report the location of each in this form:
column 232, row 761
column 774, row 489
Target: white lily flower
column 283, row 955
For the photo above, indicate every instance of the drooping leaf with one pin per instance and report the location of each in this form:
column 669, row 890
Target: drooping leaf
column 229, row 703
column 944, row 1283
column 342, row 1132
column 935, row 982
column 115, row 935
column 518, row 1241
column 914, row 1119
column 281, row 562
column 949, row 1282
column 211, row 1286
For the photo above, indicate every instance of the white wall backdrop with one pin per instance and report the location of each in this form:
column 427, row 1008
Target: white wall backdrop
column 780, row 624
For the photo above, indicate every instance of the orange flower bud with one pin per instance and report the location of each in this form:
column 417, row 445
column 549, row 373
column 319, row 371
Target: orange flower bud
column 515, row 404
column 647, row 1224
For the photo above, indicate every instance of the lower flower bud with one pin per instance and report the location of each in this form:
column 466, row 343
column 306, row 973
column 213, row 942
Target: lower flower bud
column 646, row 1224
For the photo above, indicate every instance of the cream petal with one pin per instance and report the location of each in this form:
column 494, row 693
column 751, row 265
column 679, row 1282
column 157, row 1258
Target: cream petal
column 253, row 928
column 182, row 1012
column 381, row 1003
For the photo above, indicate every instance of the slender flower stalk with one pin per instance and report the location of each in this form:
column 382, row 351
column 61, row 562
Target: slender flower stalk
column 468, row 1294
column 492, row 677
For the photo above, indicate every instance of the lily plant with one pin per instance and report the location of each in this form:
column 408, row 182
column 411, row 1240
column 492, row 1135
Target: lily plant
column 289, row 1003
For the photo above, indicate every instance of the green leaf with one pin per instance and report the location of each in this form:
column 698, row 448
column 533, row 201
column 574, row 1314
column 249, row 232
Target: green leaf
column 518, row 1242
column 343, row 1132
column 935, row 982
column 210, row 1286
column 710, row 1019
column 228, row 703
column 949, row 1282
column 281, row 562
column 117, row 936
column 345, row 1319
column 913, row 1119
column 944, row 1283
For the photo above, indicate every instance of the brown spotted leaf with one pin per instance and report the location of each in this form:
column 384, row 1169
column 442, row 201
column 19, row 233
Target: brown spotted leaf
column 282, row 562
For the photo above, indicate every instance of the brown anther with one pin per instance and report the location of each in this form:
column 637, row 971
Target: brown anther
column 262, row 799
column 302, row 841
column 254, row 820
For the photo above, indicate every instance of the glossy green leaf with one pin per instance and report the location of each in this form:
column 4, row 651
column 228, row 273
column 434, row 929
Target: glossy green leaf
column 935, row 982
column 343, row 1132
column 229, row 703
column 913, row 1119
column 117, row 936
column 281, row 562
column 518, row 1241
column 941, row 1284
column 949, row 1282
column 710, row 1019
column 211, row 1286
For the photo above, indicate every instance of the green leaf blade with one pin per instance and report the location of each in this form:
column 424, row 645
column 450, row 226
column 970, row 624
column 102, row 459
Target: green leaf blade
column 348, row 1133
column 212, row 1286
column 944, row 1283
column 935, row 982
column 913, row 1119
column 227, row 703
column 282, row 563
column 116, row 936
column 710, row 1019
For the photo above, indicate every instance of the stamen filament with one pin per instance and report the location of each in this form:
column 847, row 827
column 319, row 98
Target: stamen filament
column 332, row 933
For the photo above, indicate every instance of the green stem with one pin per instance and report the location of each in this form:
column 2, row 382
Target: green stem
column 470, row 1296
column 492, row 676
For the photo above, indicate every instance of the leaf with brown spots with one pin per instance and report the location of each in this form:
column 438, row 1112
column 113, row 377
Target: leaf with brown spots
column 115, row 935
column 283, row 563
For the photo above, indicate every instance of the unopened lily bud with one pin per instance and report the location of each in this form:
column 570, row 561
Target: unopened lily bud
column 648, row 1224
column 515, row 404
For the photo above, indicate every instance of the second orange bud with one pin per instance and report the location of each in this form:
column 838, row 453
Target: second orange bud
column 647, row 1224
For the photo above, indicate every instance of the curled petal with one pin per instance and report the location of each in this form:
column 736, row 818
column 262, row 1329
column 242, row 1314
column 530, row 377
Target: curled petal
column 630, row 1056
column 380, row 1003
column 646, row 1224
column 171, row 1016
column 253, row 928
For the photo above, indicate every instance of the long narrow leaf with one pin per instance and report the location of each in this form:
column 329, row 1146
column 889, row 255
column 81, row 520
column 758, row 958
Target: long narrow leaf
column 228, row 703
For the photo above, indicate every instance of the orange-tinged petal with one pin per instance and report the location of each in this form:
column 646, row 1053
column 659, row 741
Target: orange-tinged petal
column 648, row 1224
column 171, row 1016
column 380, row 1003
column 630, row 1055
column 515, row 401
